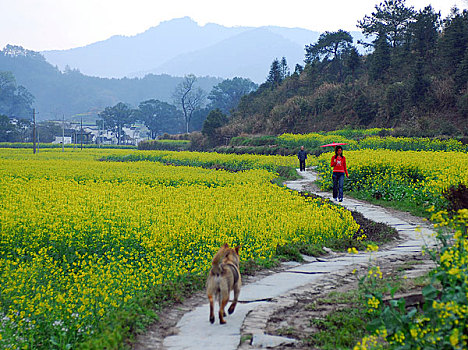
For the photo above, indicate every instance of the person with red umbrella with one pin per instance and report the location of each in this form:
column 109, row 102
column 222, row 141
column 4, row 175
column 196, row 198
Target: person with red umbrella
column 338, row 162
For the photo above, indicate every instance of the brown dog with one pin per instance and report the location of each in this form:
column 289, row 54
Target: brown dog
column 223, row 277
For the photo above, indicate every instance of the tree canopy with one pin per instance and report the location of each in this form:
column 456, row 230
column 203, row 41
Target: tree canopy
column 391, row 18
column 226, row 95
column 15, row 101
column 159, row 117
column 329, row 45
column 116, row 118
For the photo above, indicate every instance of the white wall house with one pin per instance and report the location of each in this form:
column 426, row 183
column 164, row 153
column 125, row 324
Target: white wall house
column 66, row 140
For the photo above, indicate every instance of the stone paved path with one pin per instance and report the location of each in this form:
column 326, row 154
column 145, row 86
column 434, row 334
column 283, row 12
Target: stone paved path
column 263, row 297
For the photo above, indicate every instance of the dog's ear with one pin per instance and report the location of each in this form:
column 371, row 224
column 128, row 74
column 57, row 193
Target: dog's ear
column 237, row 249
column 225, row 246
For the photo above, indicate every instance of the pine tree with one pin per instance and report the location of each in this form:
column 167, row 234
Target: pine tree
column 461, row 75
column 454, row 41
column 380, row 58
column 275, row 76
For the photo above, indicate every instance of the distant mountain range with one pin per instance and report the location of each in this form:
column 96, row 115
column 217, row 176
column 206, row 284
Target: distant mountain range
column 180, row 46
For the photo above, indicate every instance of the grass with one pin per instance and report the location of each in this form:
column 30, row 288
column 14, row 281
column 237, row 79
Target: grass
column 346, row 325
column 402, row 205
column 338, row 330
column 285, row 174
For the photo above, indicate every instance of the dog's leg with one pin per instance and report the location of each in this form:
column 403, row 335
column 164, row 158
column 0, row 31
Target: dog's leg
column 223, row 300
column 236, row 297
column 212, row 318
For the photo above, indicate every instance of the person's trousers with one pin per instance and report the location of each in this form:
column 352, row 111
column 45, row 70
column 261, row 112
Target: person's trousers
column 338, row 180
column 302, row 165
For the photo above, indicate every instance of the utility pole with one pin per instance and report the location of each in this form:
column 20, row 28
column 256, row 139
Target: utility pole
column 34, row 130
column 81, row 133
column 63, row 132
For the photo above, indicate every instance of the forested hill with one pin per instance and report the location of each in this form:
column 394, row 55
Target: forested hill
column 415, row 77
column 70, row 92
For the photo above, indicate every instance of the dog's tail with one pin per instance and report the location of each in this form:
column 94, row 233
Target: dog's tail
column 218, row 259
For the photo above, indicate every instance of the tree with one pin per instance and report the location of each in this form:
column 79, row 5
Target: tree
column 227, row 94
column 419, row 83
column 116, row 118
column 48, row 130
column 461, row 75
column 298, row 69
column 364, row 109
column 159, row 117
column 215, row 119
column 380, row 59
column 352, row 60
column 188, row 98
column 454, row 41
column 329, row 44
column 424, row 33
column 284, row 68
column 15, row 101
column 8, row 130
column 275, row 75
column 391, row 18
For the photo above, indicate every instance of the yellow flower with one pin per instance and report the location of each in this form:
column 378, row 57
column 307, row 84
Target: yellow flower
column 454, row 337
column 372, row 247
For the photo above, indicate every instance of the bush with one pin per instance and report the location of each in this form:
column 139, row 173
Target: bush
column 457, row 197
column 165, row 145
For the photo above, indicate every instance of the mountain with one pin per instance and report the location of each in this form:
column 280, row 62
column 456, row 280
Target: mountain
column 119, row 56
column 181, row 46
column 248, row 54
column 72, row 92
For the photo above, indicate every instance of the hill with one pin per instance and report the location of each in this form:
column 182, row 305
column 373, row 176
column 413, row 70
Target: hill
column 415, row 79
column 71, row 92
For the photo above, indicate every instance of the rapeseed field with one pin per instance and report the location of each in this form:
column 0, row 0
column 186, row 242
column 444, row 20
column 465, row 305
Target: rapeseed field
column 83, row 238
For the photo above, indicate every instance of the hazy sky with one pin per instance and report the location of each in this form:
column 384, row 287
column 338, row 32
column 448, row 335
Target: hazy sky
column 62, row 24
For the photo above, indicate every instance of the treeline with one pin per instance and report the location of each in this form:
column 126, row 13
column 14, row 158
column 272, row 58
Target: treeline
column 112, row 103
column 414, row 79
column 189, row 112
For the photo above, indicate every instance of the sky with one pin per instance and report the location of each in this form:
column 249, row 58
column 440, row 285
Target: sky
column 62, row 24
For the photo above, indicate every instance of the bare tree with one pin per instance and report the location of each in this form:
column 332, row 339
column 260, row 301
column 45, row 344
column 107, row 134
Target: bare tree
column 188, row 97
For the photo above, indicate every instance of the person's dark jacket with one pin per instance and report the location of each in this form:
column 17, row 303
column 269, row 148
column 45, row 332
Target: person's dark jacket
column 302, row 155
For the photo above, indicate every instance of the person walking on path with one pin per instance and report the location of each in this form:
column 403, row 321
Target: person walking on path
column 302, row 155
column 338, row 162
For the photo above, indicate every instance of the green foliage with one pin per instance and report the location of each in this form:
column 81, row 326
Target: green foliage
column 8, row 130
column 274, row 76
column 15, row 101
column 391, row 19
column 441, row 321
column 227, row 94
column 165, row 145
column 413, row 79
column 215, row 119
column 116, row 117
column 329, row 44
column 338, row 330
column 159, row 117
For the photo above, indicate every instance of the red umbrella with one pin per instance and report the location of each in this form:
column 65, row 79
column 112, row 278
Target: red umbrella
column 334, row 144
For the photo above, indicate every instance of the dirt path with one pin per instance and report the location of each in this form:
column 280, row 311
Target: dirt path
column 275, row 299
